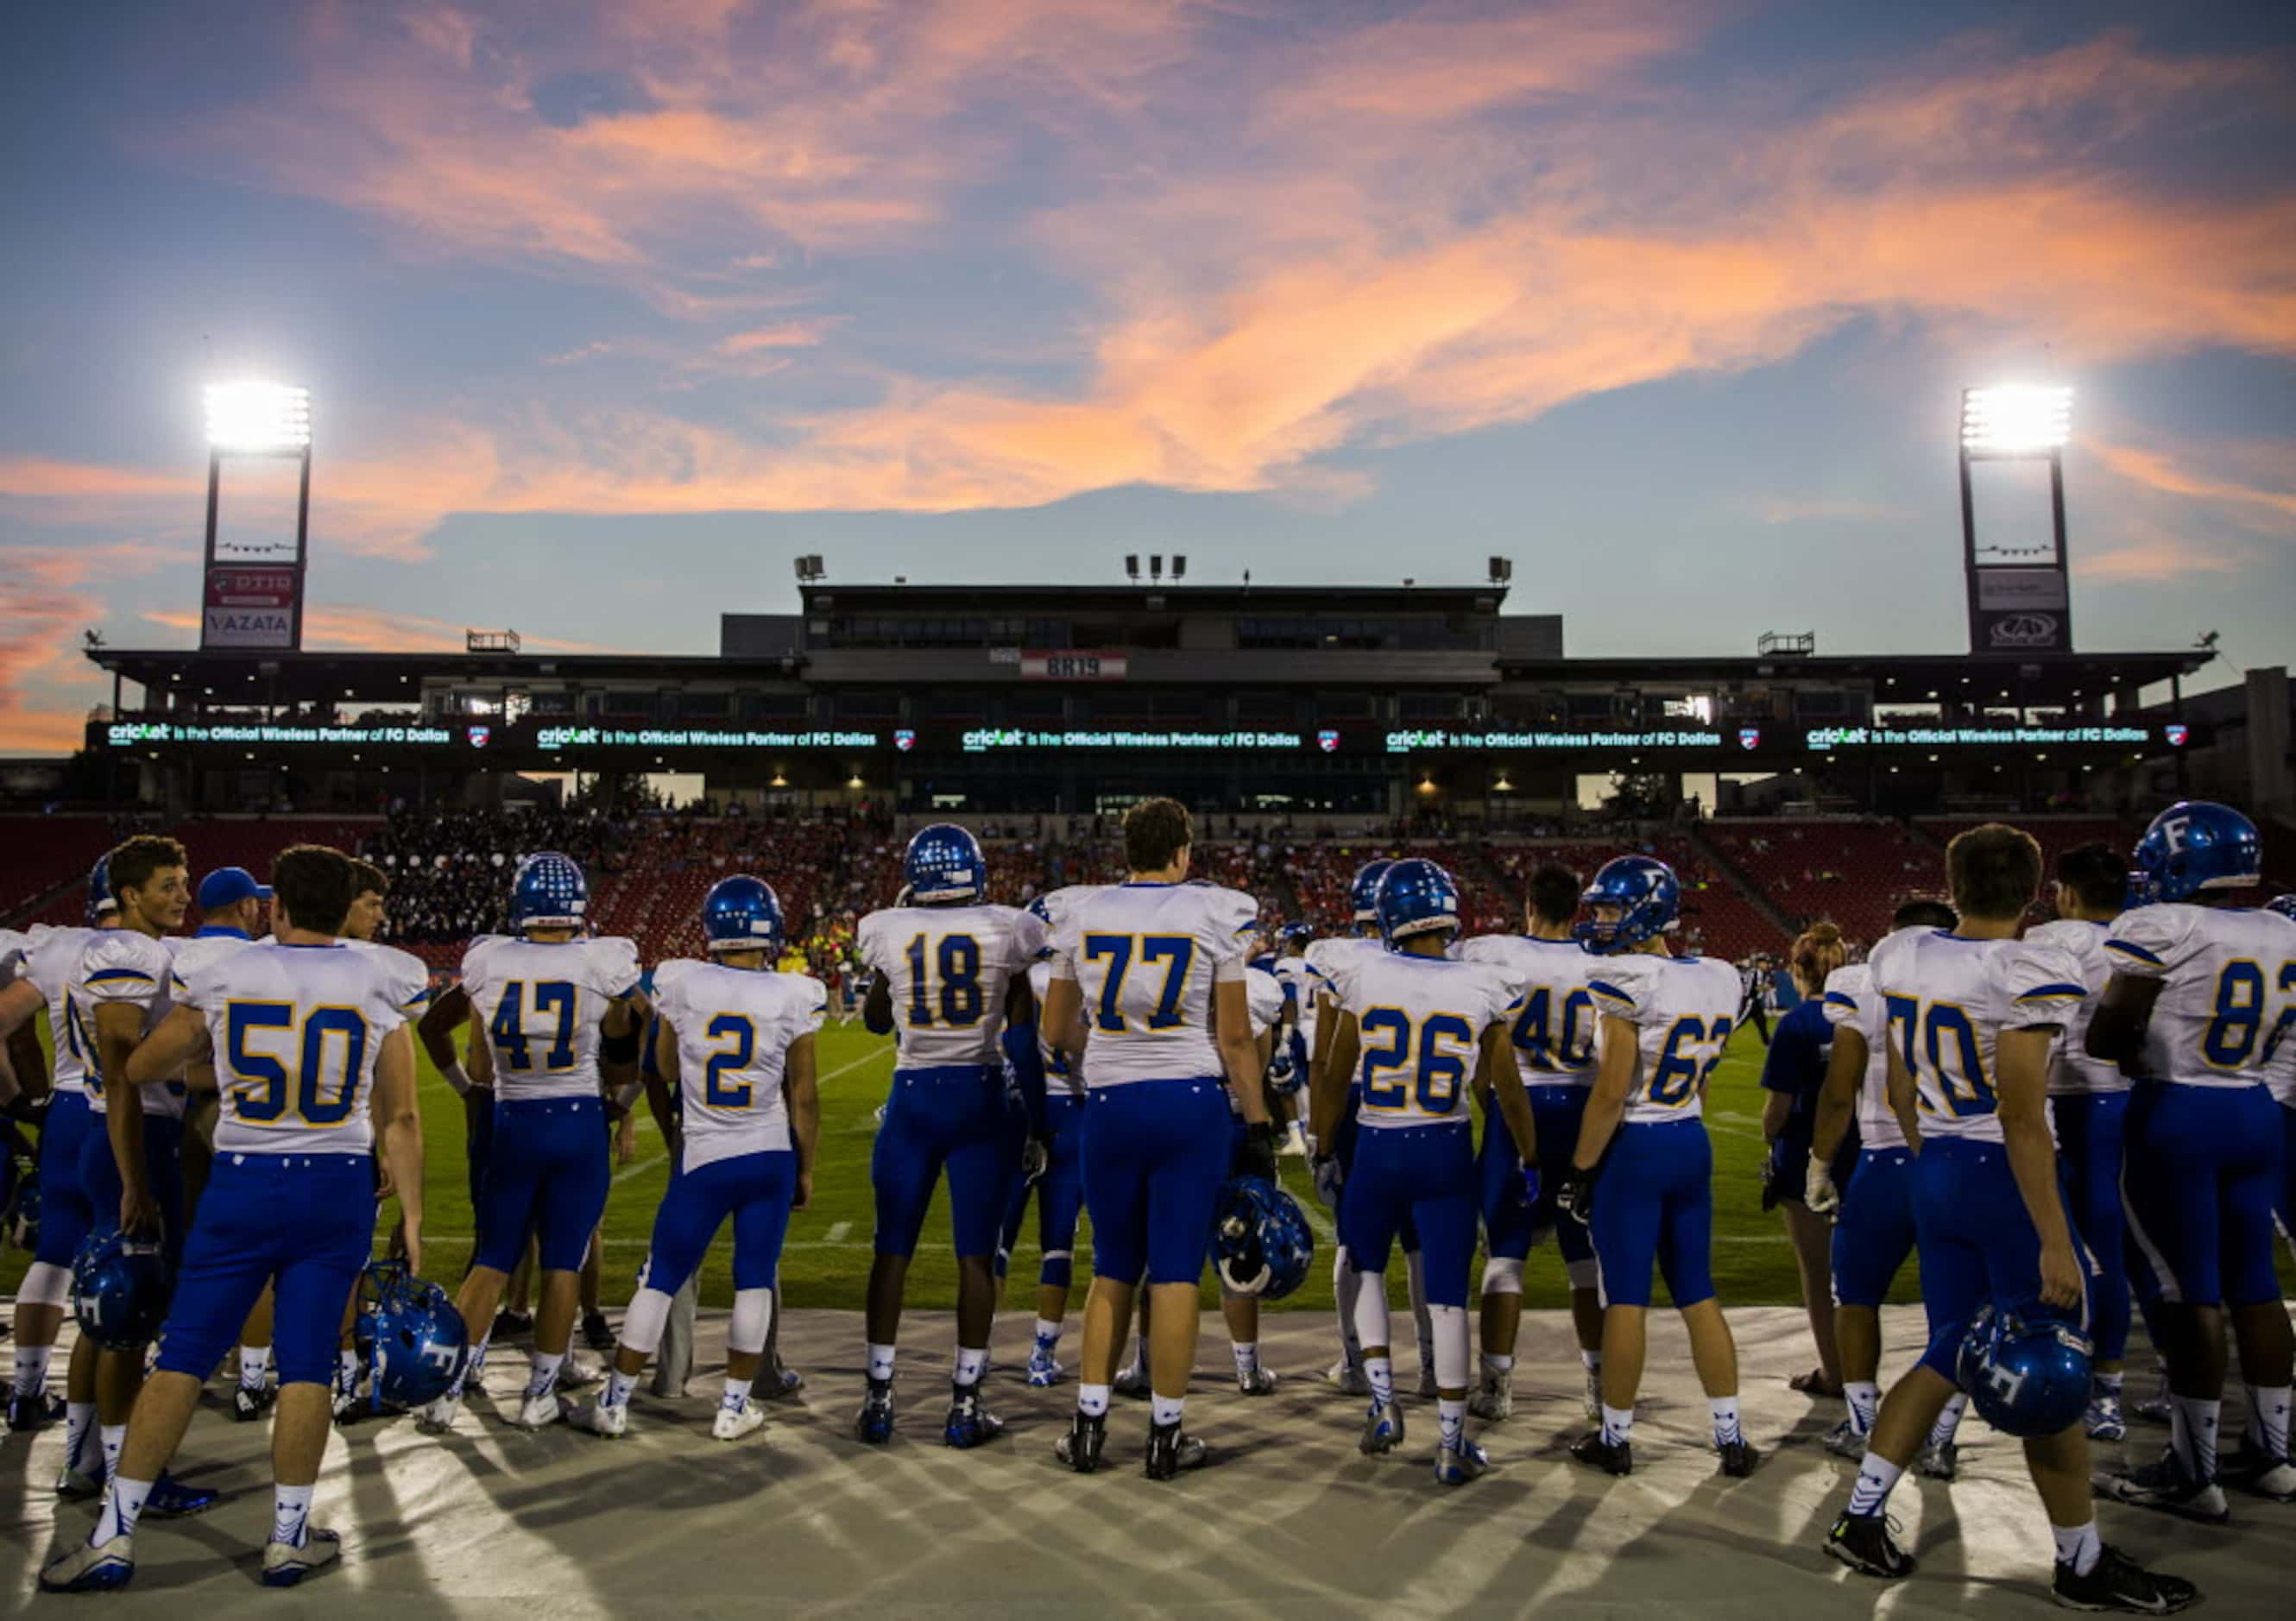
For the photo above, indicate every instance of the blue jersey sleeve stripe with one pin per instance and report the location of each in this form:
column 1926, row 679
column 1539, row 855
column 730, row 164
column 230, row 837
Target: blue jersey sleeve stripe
column 2041, row 992
column 103, row 976
column 1603, row 988
column 2129, row 948
column 1838, row 1000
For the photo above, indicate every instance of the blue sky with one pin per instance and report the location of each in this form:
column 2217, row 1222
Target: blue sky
column 608, row 312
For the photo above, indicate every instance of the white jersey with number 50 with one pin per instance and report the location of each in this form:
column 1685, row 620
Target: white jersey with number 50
column 1682, row 1008
column 1144, row 956
column 1422, row 1021
column 735, row 1028
column 946, row 970
column 2228, row 1001
column 297, row 1030
column 539, row 1003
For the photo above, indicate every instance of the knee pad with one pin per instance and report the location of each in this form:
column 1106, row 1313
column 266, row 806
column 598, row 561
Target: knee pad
column 642, row 1324
column 1056, row 1270
column 1502, row 1275
column 753, row 1318
column 1584, row 1274
column 45, row 1284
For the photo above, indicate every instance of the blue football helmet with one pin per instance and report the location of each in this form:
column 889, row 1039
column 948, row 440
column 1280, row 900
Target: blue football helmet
column 549, row 891
column 99, row 889
column 1363, row 892
column 2027, row 1378
column 741, row 913
column 2284, row 905
column 1416, row 896
column 1645, row 893
column 944, row 862
column 1296, row 933
column 121, row 1291
column 1261, row 1243
column 415, row 1340
column 2198, row 845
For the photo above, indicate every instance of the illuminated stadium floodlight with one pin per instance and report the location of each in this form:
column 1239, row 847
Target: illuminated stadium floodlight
column 2019, row 595
column 259, row 419
column 2015, row 421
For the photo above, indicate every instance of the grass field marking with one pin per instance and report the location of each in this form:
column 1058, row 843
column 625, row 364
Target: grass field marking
column 638, row 1166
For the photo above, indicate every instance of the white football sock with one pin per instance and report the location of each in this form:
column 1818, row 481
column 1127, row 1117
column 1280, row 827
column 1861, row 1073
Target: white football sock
column 1864, row 1399
column 1876, row 1476
column 32, row 1368
column 1092, row 1400
column 2268, row 1419
column 290, row 1514
column 1165, row 1409
column 1378, row 1371
column 544, row 1377
column 123, row 1506
column 618, row 1386
column 1725, row 1409
column 254, row 1362
column 880, row 1362
column 1948, row 1421
column 115, row 1437
column 737, row 1394
column 1247, row 1357
column 2079, row 1546
column 1618, row 1424
column 2192, row 1432
column 970, row 1364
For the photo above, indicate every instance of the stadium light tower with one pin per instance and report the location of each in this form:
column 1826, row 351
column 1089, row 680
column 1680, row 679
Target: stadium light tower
column 2018, row 601
column 256, row 600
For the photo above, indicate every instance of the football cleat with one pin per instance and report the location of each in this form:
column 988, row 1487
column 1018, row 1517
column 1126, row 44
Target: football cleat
column 970, row 1423
column 33, row 1410
column 1259, row 1381
column 1458, row 1465
column 597, row 1333
column 78, row 1485
column 1081, row 1448
column 1427, row 1386
column 1347, row 1378
column 874, row 1422
column 1044, row 1372
column 246, row 1404
column 597, row 1418
column 508, row 1323
column 579, row 1372
column 2259, row 1473
column 2103, row 1420
column 1739, row 1459
column 438, row 1418
column 1940, row 1460
column 1132, row 1380
column 1382, row 1429
column 540, row 1412
column 284, row 1564
column 1863, row 1542
column 1846, row 1440
column 778, row 1380
column 105, row 1567
column 1612, row 1458
column 732, row 1423
column 171, row 1499
column 2165, row 1486
column 1494, row 1400
column 1169, row 1451
column 344, row 1401
column 2119, row 1582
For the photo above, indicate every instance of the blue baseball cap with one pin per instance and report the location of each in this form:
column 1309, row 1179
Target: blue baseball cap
column 228, row 886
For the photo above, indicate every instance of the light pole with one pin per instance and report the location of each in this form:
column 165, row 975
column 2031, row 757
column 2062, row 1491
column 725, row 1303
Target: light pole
column 244, row 604
column 2021, row 606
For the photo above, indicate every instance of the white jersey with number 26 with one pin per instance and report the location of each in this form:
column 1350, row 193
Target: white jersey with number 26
column 1422, row 1021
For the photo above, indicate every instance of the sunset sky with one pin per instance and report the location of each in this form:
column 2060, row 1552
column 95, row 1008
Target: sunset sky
column 609, row 311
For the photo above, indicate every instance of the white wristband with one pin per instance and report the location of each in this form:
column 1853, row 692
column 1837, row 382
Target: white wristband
column 458, row 1078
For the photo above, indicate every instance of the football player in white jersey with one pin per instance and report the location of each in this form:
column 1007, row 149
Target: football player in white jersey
column 1155, row 964
column 737, row 1039
column 1412, row 1023
column 1554, row 1051
column 1323, row 957
column 1873, row 1215
column 2282, row 1080
column 1978, row 1011
column 1296, row 1038
column 2203, row 988
column 1642, row 1172
column 44, row 977
column 952, row 976
column 315, row 1068
column 556, row 1012
column 2088, row 1104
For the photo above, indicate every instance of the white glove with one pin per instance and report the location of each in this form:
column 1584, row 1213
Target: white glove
column 1818, row 1192
column 1035, row 1156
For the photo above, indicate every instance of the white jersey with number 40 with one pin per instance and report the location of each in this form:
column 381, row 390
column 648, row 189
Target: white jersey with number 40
column 946, row 970
column 1145, row 957
column 297, row 1030
column 1422, row 1021
column 540, row 1004
column 1556, row 1029
column 735, row 1028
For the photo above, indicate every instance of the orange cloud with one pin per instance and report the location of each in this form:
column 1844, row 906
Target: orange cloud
column 781, row 335
column 47, row 599
column 2158, row 471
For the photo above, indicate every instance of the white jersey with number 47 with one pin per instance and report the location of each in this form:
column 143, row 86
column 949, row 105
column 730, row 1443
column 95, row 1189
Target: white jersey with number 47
column 1145, row 957
column 297, row 1030
column 540, row 1004
column 1422, row 1021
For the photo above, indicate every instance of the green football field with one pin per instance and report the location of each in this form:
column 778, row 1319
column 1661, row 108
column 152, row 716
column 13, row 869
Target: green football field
column 826, row 1262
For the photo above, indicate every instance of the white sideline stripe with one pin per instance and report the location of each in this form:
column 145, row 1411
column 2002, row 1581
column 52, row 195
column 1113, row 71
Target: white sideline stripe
column 1083, row 1245
column 839, row 1230
column 643, row 1166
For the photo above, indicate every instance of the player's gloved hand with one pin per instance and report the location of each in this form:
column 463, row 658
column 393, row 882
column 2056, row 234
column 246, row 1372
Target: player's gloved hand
column 1328, row 1177
column 1575, row 1197
column 1280, row 1070
column 1818, row 1192
column 1035, row 1154
column 1530, row 1182
column 27, row 1111
column 1258, row 1156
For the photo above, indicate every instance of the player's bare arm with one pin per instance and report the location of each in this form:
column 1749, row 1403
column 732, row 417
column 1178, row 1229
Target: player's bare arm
column 117, row 1027
column 1239, row 1048
column 180, row 1038
column 1606, row 1104
column 398, row 1132
column 2116, row 1030
column 1837, row 1099
column 1327, row 1094
column 1905, row 1100
column 1061, row 1025
column 803, row 1092
column 2022, row 1101
column 1501, row 1073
